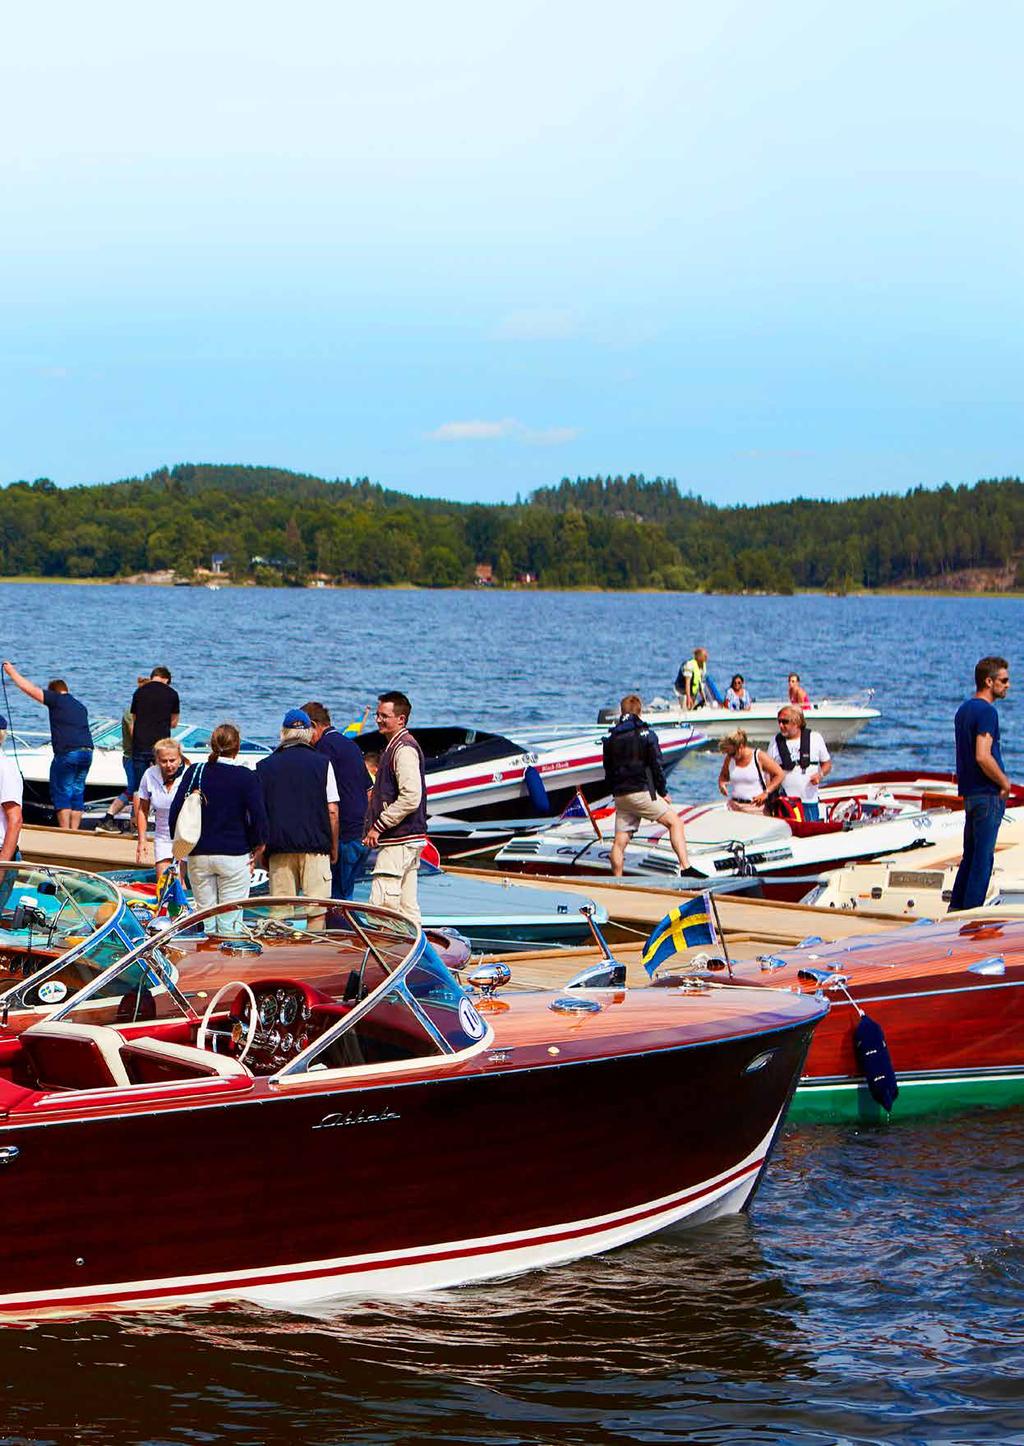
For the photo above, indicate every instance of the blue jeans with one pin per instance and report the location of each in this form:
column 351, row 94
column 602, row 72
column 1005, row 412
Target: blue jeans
column 348, row 868
column 67, row 778
column 983, row 813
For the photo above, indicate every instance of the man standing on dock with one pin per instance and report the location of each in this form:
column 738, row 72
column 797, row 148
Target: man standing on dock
column 981, row 782
column 346, row 759
column 396, row 819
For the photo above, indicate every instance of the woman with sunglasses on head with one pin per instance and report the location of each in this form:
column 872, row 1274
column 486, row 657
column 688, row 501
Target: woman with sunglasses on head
column 157, row 788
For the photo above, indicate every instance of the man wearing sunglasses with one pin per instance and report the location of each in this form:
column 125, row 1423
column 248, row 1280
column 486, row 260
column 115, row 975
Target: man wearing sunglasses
column 981, row 781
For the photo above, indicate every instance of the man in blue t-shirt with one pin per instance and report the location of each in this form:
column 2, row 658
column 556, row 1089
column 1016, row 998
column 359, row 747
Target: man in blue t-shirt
column 981, row 782
column 71, row 741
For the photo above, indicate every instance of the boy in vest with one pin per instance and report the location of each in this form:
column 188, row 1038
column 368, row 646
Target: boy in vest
column 396, row 818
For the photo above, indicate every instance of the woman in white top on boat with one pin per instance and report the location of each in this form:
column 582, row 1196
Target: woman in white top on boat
column 157, row 788
column 748, row 777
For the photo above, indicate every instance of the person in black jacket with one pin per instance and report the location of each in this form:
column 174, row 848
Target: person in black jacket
column 636, row 776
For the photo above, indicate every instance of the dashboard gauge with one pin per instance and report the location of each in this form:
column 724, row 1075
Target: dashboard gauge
column 286, row 1042
column 289, row 1009
column 268, row 1011
column 301, row 1043
column 304, row 1010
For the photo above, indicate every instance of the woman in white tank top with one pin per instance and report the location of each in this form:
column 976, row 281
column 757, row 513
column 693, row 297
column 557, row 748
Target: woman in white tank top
column 748, row 777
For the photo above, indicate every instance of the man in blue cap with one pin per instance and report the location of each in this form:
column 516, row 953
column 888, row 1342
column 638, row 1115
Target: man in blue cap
column 301, row 798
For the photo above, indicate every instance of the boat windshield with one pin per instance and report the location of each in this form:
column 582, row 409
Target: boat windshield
column 59, row 929
column 197, row 740
column 332, row 985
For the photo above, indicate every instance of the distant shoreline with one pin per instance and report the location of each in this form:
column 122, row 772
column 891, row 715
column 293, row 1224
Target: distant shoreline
column 1013, row 594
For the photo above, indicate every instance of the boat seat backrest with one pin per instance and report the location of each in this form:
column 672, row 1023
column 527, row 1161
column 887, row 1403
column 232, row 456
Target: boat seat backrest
column 153, row 1061
column 71, row 1056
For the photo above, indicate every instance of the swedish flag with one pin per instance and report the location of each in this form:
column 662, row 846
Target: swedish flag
column 682, row 928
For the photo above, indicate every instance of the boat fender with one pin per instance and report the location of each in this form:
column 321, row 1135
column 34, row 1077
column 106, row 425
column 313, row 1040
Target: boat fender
column 875, row 1062
column 535, row 788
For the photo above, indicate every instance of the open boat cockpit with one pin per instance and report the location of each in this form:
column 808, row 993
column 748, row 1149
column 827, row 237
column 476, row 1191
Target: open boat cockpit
column 59, row 929
column 304, row 992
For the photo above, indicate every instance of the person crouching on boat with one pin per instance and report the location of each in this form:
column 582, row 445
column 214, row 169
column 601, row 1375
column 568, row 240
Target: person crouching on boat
column 157, row 788
column 801, row 754
column 635, row 774
column 72, row 744
column 748, row 777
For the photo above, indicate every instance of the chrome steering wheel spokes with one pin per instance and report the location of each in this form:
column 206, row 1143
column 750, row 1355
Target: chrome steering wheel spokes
column 205, row 1027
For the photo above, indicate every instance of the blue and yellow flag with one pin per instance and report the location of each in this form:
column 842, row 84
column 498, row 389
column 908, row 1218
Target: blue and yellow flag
column 353, row 729
column 171, row 898
column 682, row 928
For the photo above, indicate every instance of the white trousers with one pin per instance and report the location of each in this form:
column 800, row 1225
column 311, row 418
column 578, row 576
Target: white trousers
column 218, row 879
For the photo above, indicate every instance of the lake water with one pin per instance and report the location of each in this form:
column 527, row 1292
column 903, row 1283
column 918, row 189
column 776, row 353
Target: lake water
column 874, row 1294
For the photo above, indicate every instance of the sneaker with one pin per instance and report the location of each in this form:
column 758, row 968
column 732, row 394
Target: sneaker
column 108, row 824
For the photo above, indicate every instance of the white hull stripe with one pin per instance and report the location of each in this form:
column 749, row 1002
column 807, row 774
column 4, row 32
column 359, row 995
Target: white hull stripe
column 545, row 1244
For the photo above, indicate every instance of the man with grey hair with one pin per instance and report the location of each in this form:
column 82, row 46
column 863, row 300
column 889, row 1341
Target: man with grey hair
column 10, row 801
column 301, row 798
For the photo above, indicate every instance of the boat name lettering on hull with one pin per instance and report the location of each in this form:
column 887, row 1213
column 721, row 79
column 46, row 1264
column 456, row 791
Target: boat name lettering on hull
column 356, row 1117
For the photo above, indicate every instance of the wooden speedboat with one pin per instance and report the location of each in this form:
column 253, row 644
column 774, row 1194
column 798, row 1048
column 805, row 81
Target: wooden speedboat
column 949, row 997
column 354, row 1121
column 866, row 817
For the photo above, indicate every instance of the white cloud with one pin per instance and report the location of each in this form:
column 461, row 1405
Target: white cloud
column 508, row 427
column 477, row 431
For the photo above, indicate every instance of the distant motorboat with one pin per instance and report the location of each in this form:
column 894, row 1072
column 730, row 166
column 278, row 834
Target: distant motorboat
column 837, row 720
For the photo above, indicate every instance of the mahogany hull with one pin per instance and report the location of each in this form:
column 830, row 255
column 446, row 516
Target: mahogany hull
column 401, row 1186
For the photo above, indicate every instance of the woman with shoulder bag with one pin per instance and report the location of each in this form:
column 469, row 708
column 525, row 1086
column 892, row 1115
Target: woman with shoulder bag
column 748, row 778
column 234, row 824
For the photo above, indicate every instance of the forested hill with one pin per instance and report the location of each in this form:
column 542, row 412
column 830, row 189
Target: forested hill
column 283, row 527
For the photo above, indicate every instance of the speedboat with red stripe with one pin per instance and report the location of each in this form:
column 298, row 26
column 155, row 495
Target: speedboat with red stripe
column 866, row 817
column 474, row 774
column 340, row 1115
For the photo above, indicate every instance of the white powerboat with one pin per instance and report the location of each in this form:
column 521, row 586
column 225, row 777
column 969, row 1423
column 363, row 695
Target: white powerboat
column 864, row 818
column 479, row 775
column 837, row 720
column 33, row 755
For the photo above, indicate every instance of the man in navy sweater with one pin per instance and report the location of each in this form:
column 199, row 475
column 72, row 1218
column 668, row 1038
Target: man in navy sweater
column 301, row 799
column 346, row 760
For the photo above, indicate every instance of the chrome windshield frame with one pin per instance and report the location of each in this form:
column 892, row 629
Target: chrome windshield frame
column 187, row 923
column 9, row 998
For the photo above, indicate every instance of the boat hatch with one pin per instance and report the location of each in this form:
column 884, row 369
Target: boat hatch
column 450, row 747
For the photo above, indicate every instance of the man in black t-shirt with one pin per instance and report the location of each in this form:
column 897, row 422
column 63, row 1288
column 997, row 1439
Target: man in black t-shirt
column 155, row 710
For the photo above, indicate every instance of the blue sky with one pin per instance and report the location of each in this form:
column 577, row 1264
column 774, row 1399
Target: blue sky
column 465, row 250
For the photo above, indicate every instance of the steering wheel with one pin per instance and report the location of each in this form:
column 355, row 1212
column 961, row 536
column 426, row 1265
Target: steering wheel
column 845, row 810
column 235, row 1033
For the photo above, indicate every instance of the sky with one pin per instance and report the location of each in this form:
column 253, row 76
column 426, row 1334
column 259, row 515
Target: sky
column 767, row 250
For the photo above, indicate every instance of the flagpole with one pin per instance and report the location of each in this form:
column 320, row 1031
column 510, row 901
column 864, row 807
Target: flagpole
column 721, row 933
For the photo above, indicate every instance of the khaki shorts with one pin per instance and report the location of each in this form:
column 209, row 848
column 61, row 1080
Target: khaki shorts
column 632, row 808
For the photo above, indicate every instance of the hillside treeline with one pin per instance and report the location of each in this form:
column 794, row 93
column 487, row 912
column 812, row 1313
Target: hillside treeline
column 281, row 527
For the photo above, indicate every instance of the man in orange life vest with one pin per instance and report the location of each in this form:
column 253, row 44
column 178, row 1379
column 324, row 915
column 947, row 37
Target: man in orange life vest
column 396, row 818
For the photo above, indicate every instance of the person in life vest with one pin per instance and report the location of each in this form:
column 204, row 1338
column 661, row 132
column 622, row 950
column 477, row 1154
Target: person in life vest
column 803, row 758
column 396, row 817
column 691, row 680
column 636, row 776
